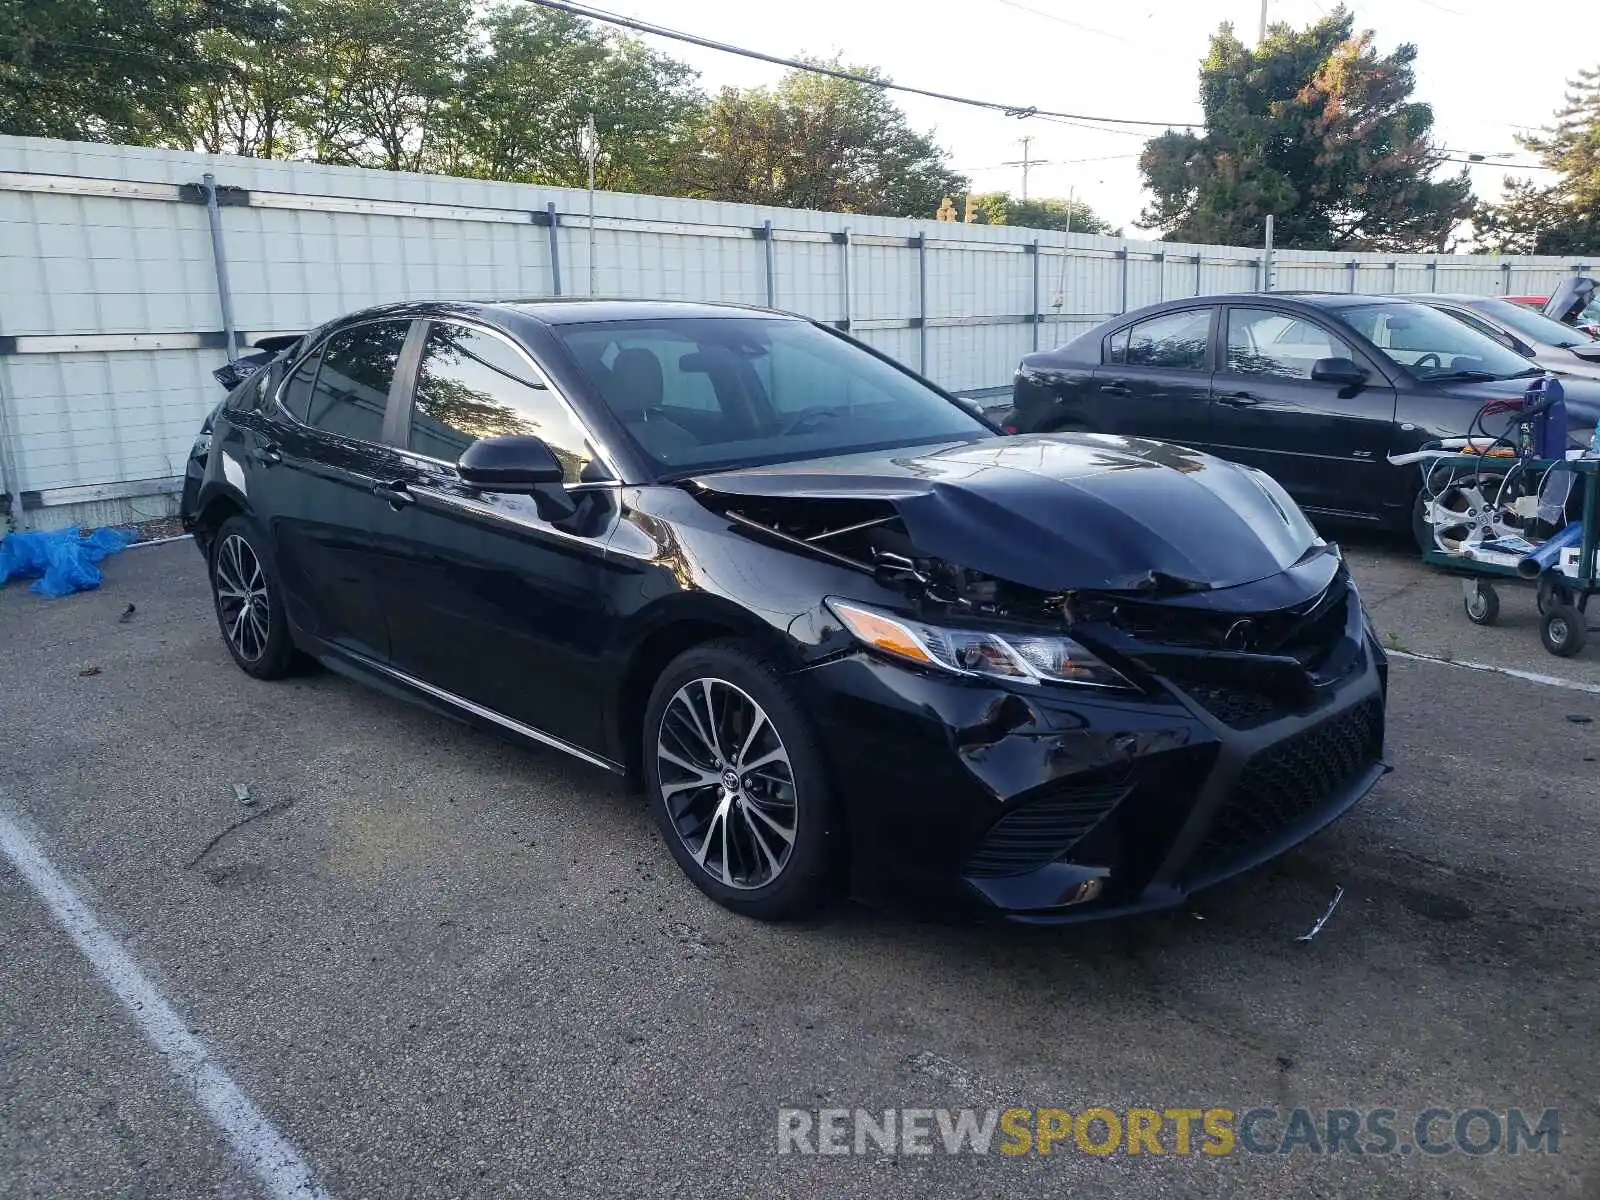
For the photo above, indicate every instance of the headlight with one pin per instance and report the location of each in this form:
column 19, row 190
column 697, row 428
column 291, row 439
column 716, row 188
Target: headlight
column 1032, row 658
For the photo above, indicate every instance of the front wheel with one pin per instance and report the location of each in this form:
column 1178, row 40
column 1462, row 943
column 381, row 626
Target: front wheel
column 738, row 784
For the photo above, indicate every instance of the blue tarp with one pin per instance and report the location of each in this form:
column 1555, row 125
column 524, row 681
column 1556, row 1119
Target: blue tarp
column 63, row 560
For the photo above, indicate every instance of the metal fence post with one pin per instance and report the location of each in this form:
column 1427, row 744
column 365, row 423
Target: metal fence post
column 772, row 265
column 1394, row 277
column 921, row 243
column 1266, row 259
column 1354, row 267
column 1199, row 274
column 1033, row 316
column 1122, row 303
column 552, row 220
column 8, row 466
column 1433, row 275
column 845, row 244
column 219, row 257
column 1505, row 279
column 1161, row 275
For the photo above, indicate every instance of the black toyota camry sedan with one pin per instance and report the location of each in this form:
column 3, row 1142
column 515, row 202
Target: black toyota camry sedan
column 843, row 632
column 1315, row 389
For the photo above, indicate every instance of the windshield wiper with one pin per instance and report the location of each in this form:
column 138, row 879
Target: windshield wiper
column 1480, row 376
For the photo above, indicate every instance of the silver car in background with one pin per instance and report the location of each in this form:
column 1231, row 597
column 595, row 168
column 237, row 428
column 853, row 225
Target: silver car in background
column 1563, row 349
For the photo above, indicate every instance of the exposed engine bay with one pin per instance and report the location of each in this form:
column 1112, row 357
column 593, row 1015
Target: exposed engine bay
column 869, row 536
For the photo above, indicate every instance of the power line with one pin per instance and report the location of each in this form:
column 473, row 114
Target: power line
column 1010, row 110
column 1060, row 20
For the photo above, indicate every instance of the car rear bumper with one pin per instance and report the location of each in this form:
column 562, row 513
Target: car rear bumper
column 966, row 799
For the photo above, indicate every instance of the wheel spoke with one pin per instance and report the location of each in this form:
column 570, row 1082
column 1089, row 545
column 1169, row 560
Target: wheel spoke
column 760, row 841
column 711, row 718
column 757, row 721
column 787, row 834
column 686, row 704
column 770, row 757
column 677, row 761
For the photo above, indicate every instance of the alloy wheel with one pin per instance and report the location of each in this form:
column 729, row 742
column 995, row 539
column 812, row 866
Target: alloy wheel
column 727, row 783
column 1466, row 514
column 242, row 598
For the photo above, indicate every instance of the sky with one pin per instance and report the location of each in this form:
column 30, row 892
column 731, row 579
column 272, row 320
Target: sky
column 1489, row 68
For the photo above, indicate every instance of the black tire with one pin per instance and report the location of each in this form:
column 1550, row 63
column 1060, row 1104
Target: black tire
column 1482, row 605
column 258, row 640
column 1563, row 631
column 803, row 876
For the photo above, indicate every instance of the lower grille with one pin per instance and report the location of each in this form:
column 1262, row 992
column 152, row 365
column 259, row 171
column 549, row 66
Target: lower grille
column 1237, row 707
column 1042, row 831
column 1288, row 783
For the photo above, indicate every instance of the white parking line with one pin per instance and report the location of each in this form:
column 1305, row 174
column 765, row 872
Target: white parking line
column 265, row 1151
column 1555, row 681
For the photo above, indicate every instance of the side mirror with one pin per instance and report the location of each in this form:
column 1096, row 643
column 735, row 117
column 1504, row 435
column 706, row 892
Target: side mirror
column 1342, row 371
column 971, row 405
column 515, row 463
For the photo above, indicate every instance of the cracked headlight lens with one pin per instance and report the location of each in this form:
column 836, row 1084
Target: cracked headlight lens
column 1035, row 658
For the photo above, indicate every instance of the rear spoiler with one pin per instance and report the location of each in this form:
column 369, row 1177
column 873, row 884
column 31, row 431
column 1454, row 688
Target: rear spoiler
column 230, row 375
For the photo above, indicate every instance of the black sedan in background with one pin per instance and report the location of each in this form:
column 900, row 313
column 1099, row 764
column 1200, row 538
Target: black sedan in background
column 1316, row 390
column 837, row 626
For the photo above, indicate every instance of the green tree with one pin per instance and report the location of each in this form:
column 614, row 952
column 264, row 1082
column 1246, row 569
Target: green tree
column 815, row 141
column 1316, row 128
column 538, row 74
column 1562, row 217
column 376, row 78
column 1002, row 208
column 248, row 106
column 110, row 70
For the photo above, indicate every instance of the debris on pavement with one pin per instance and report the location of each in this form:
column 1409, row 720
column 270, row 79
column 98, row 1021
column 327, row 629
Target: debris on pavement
column 1338, row 895
column 241, row 793
column 88, row 671
column 1580, row 718
column 60, row 561
column 127, row 614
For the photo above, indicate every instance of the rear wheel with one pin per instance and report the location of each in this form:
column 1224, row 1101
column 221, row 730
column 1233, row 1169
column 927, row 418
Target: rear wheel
column 738, row 785
column 249, row 609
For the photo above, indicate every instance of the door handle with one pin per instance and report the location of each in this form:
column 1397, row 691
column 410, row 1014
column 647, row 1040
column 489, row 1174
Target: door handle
column 1238, row 400
column 394, row 493
column 1116, row 387
column 268, row 455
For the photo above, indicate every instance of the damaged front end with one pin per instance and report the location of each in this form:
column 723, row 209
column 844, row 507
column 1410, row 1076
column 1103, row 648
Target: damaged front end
column 1120, row 740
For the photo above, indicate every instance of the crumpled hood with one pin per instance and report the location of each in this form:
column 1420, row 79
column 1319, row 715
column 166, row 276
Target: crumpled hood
column 1061, row 511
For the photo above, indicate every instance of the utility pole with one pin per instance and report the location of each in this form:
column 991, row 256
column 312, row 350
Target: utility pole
column 1027, row 162
column 1261, row 36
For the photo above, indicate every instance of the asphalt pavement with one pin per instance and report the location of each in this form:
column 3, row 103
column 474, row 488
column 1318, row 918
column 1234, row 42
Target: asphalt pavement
column 443, row 966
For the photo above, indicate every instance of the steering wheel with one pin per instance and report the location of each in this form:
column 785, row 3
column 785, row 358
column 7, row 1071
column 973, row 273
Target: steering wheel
column 1437, row 361
column 804, row 417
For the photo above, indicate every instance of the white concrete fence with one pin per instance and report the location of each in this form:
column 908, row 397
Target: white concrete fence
column 113, row 313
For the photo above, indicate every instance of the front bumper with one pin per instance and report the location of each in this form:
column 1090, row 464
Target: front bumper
column 1056, row 805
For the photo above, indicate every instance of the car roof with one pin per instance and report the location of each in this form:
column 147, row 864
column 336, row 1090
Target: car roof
column 564, row 311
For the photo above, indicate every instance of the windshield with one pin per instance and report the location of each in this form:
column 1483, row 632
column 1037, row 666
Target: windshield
column 1533, row 325
column 698, row 393
column 1431, row 345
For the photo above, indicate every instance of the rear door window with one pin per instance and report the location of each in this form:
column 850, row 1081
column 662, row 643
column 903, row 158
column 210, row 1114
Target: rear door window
column 296, row 394
column 352, row 389
column 1181, row 340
